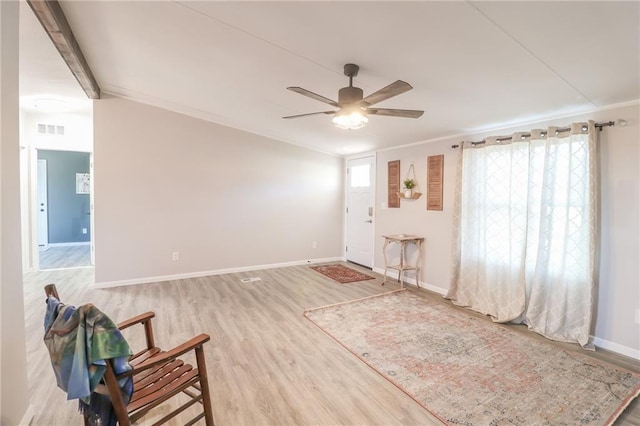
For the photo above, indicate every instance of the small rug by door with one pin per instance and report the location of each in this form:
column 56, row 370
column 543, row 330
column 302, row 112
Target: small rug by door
column 341, row 273
column 466, row 370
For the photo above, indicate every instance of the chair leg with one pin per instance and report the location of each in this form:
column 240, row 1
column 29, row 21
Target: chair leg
column 119, row 407
column 204, row 384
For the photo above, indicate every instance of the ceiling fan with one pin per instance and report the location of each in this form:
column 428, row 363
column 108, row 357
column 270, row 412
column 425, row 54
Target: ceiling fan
column 353, row 108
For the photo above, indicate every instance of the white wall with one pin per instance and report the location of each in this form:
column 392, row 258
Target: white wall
column 221, row 197
column 13, row 371
column 229, row 199
column 25, row 204
column 78, row 127
column 619, row 291
column 78, row 137
column 412, row 216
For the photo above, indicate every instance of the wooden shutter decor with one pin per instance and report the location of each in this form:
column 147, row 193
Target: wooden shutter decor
column 435, row 178
column 393, row 183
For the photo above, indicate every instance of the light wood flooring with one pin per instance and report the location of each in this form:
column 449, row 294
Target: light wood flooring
column 58, row 257
column 267, row 364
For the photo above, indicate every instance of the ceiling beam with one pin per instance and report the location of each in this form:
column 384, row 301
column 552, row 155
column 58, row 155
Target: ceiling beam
column 52, row 18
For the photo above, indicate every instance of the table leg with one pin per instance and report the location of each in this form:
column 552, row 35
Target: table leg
column 401, row 273
column 418, row 262
column 386, row 261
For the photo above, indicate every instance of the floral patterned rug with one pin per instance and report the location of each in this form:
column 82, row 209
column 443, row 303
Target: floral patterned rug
column 465, row 370
column 341, row 273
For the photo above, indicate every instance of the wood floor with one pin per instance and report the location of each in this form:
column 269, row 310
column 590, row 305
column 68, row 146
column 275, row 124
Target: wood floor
column 267, row 364
column 57, row 257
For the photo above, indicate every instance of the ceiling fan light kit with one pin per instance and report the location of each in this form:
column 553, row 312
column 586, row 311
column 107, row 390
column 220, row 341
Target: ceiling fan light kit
column 350, row 120
column 353, row 108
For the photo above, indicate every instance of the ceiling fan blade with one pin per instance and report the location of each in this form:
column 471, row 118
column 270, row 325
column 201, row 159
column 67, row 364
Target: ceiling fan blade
column 407, row 113
column 312, row 95
column 311, row 113
column 391, row 90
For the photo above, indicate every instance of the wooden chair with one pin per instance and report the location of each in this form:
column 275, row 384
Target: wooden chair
column 157, row 376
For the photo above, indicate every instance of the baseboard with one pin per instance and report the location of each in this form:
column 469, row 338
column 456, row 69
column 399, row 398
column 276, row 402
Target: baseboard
column 412, row 281
column 67, row 268
column 161, row 278
column 617, row 348
column 80, row 243
column 442, row 292
column 28, row 416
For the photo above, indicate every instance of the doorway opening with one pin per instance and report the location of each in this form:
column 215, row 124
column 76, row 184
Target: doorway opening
column 63, row 209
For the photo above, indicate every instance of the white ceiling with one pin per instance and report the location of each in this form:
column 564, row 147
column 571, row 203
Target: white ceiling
column 473, row 65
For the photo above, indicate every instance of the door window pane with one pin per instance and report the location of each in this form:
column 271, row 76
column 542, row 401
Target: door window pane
column 360, row 176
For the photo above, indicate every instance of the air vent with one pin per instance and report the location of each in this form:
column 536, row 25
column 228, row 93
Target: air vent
column 50, row 129
column 250, row 280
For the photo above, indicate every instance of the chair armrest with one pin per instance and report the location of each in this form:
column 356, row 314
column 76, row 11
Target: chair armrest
column 164, row 357
column 145, row 320
column 136, row 320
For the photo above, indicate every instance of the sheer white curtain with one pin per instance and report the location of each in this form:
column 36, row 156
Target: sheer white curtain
column 526, row 230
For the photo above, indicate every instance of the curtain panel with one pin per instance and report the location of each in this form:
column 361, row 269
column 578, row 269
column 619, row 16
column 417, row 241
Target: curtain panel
column 526, row 230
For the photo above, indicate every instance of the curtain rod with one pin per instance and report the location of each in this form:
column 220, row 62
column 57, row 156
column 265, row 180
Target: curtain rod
column 563, row 129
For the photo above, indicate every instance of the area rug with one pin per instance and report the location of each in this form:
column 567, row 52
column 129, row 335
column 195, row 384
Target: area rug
column 466, row 370
column 341, row 273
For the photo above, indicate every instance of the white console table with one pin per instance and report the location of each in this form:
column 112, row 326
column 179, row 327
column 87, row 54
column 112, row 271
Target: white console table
column 403, row 266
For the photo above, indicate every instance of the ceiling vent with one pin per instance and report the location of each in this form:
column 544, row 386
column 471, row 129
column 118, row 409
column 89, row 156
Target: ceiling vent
column 50, row 129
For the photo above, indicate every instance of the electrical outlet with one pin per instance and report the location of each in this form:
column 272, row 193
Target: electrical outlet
column 84, row 230
column 314, row 245
column 637, row 316
column 175, row 256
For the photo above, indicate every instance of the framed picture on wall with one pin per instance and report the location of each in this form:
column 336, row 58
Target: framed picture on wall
column 82, row 183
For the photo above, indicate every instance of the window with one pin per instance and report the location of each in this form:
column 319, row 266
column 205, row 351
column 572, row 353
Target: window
column 527, row 232
column 360, row 176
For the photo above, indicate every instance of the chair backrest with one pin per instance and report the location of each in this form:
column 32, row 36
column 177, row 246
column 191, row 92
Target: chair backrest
column 50, row 290
column 158, row 376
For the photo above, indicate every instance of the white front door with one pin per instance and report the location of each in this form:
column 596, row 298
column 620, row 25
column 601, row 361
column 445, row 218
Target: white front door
column 360, row 179
column 43, row 220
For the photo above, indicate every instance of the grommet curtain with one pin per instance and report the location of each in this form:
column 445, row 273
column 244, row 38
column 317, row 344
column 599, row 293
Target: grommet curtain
column 526, row 230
